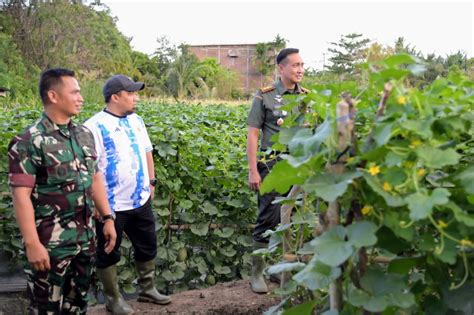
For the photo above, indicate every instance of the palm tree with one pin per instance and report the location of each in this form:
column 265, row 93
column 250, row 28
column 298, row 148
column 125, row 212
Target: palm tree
column 182, row 74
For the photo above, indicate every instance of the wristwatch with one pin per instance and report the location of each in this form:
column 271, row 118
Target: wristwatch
column 108, row 217
column 153, row 182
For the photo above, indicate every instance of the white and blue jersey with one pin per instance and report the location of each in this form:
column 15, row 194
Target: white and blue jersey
column 121, row 144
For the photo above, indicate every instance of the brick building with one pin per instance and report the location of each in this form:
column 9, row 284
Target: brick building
column 238, row 58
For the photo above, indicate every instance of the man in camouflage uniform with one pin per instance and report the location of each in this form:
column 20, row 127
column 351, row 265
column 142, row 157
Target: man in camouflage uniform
column 55, row 185
column 266, row 115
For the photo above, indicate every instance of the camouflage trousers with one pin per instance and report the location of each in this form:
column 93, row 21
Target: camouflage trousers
column 64, row 288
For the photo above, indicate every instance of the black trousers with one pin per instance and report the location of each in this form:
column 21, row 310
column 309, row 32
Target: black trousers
column 268, row 216
column 139, row 225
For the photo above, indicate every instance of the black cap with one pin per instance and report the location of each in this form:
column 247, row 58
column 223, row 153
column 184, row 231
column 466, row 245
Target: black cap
column 284, row 53
column 119, row 83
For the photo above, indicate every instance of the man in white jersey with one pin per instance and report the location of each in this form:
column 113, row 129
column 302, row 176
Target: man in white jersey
column 125, row 158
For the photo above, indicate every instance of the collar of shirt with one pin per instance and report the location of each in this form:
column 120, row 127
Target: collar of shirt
column 52, row 126
column 282, row 90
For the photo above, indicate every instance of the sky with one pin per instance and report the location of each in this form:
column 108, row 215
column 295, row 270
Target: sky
column 439, row 27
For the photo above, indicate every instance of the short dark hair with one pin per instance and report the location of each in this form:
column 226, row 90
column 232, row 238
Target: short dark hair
column 285, row 53
column 50, row 78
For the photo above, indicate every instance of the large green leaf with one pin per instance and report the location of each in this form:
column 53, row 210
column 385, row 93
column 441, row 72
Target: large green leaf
column 317, row 275
column 460, row 299
column 436, row 158
column 209, row 208
column 381, row 290
column 282, row 177
column 305, row 144
column 387, row 240
column 286, row 134
column 329, row 186
column 421, row 203
column 467, row 179
column 399, row 59
column 285, row 267
column 200, row 229
column 305, row 308
column 224, row 232
column 223, row 270
column 419, row 127
column 391, row 200
column 362, row 234
column 392, row 220
column 403, row 265
column 461, row 215
column 382, row 133
column 332, row 247
column 449, row 253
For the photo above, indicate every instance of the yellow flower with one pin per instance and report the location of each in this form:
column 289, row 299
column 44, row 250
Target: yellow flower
column 315, row 114
column 466, row 242
column 402, row 100
column 374, row 170
column 421, row 172
column 415, row 143
column 442, row 224
column 272, row 156
column 367, row 210
column 387, row 186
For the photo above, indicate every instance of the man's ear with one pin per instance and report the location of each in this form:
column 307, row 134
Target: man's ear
column 52, row 96
column 114, row 98
column 280, row 67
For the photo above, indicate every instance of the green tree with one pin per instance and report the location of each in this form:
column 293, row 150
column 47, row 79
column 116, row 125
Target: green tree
column 215, row 81
column 266, row 52
column 68, row 34
column 13, row 72
column 347, row 53
column 183, row 73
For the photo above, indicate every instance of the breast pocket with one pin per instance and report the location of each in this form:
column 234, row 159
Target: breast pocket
column 58, row 160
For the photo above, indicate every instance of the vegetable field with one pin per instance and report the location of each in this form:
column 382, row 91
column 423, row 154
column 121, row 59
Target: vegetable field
column 382, row 203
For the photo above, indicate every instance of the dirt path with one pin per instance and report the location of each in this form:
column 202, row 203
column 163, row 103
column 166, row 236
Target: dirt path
column 225, row 298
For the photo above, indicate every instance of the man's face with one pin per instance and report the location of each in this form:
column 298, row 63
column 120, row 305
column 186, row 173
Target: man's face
column 66, row 97
column 292, row 68
column 127, row 101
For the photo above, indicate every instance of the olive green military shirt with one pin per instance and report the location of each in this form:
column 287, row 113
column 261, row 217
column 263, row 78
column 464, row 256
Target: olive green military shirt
column 265, row 110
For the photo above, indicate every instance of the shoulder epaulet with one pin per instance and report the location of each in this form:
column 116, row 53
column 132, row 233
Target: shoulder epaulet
column 305, row 91
column 267, row 89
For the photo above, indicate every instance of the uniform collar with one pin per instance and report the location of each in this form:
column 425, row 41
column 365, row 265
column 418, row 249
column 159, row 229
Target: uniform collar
column 50, row 125
column 282, row 90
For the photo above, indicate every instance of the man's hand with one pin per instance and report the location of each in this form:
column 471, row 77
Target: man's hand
column 38, row 257
column 110, row 235
column 254, row 180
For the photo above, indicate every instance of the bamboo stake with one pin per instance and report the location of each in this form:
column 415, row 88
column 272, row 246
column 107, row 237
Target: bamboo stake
column 285, row 218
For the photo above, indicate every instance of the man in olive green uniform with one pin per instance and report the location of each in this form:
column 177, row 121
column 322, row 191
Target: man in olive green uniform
column 267, row 116
column 55, row 185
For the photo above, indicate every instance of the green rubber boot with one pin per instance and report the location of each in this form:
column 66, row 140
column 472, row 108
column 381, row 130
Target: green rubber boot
column 114, row 301
column 146, row 282
column 257, row 282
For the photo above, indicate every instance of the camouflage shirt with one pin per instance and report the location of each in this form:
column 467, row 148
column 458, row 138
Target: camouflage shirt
column 265, row 110
column 58, row 162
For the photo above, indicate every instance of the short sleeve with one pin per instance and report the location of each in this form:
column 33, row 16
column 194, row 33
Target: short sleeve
column 21, row 166
column 96, row 138
column 144, row 135
column 257, row 112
